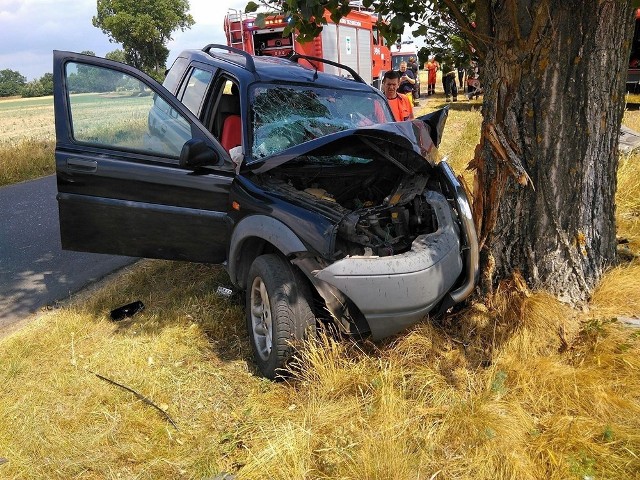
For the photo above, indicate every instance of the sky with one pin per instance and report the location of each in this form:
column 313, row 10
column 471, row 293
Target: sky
column 31, row 29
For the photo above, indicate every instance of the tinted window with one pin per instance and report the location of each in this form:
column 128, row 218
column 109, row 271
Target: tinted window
column 175, row 74
column 196, row 88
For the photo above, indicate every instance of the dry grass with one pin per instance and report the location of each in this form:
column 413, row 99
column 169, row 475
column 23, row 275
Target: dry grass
column 525, row 388
column 25, row 160
column 27, row 139
column 628, row 202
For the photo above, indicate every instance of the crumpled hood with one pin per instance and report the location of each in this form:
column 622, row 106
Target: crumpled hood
column 420, row 136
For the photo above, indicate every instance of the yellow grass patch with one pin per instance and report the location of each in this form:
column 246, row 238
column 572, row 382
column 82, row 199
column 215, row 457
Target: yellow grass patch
column 25, row 160
column 27, row 139
column 628, row 202
column 521, row 388
column 427, row 405
column 619, row 292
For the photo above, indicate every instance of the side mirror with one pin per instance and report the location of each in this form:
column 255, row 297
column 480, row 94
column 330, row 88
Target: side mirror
column 196, row 153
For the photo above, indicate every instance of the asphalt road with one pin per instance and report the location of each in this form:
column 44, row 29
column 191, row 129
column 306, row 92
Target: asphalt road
column 34, row 270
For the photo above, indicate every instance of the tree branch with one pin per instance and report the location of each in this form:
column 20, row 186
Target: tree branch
column 140, row 396
column 483, row 31
column 465, row 26
column 460, row 18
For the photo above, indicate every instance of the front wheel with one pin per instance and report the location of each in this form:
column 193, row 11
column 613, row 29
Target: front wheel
column 278, row 311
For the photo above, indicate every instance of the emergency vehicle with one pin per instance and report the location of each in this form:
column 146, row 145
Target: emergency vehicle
column 355, row 42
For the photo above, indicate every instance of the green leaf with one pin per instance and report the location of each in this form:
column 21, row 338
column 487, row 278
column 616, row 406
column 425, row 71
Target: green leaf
column 260, row 20
column 420, row 31
column 251, row 7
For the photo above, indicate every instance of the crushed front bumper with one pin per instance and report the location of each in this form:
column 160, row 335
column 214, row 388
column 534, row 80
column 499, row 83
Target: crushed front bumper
column 396, row 292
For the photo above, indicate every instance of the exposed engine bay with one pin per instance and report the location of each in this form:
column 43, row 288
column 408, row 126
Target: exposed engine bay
column 378, row 208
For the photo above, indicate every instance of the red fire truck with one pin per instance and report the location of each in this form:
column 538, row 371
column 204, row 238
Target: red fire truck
column 354, row 42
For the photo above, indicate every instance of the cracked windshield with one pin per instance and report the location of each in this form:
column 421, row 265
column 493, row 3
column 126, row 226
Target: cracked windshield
column 285, row 116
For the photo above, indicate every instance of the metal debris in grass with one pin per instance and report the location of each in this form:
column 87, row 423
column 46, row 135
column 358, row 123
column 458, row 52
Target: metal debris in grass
column 140, row 396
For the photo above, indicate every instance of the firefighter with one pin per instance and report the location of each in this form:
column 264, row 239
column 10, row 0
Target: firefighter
column 449, row 85
column 413, row 66
column 432, row 67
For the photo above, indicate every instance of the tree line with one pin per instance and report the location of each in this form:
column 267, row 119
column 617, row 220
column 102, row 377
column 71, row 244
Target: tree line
column 13, row 84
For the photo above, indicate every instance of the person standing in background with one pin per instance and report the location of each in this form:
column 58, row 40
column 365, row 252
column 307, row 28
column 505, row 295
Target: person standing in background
column 449, row 79
column 432, row 67
column 461, row 72
column 413, row 66
column 407, row 81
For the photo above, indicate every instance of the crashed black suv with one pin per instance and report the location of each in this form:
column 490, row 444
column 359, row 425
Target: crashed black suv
column 319, row 206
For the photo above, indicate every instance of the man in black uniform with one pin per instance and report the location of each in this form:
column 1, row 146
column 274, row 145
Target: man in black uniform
column 407, row 81
column 413, row 66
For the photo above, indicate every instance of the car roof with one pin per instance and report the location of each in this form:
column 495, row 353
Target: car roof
column 250, row 68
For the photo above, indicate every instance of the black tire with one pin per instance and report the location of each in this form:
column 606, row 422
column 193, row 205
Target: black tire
column 278, row 312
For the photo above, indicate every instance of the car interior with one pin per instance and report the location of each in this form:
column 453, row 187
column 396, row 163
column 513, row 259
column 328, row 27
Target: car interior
column 227, row 125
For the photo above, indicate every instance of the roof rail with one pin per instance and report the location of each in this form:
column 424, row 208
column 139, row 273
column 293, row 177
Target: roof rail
column 352, row 72
column 249, row 65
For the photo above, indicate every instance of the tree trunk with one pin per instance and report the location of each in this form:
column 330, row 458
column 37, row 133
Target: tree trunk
column 546, row 165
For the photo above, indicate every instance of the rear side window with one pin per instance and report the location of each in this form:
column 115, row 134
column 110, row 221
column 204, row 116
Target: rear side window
column 195, row 89
column 174, row 75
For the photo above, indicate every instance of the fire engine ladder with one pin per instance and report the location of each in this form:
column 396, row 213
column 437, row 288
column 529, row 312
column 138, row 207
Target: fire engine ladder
column 234, row 27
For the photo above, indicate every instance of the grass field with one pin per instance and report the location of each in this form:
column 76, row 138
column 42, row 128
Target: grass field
column 524, row 388
column 27, row 139
column 26, row 119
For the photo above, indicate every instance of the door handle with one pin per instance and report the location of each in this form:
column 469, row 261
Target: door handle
column 80, row 165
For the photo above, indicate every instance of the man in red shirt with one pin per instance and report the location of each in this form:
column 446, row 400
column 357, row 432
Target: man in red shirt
column 401, row 106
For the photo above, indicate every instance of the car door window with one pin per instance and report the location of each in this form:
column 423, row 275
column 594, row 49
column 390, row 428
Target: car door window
column 195, row 89
column 174, row 75
column 113, row 109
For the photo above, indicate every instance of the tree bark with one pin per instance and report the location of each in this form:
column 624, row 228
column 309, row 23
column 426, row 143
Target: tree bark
column 554, row 82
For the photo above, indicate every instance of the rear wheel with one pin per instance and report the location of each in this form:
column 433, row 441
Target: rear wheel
column 278, row 312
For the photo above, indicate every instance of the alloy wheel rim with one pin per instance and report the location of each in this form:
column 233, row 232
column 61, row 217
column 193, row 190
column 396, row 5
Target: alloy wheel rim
column 261, row 321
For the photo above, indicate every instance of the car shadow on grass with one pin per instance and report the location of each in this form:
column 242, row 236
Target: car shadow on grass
column 178, row 295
